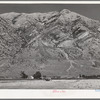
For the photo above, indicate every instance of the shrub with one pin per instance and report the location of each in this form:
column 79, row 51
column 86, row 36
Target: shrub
column 37, row 75
column 23, row 75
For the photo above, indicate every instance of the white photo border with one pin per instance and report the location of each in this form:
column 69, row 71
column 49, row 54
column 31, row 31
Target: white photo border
column 49, row 93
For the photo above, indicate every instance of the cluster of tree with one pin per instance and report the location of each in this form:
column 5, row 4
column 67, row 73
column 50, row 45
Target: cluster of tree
column 37, row 75
column 89, row 77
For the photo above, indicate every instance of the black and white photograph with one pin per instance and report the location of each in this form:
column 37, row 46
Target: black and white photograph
column 50, row 46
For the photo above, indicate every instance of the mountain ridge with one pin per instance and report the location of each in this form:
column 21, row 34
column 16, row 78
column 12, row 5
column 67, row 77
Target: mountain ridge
column 41, row 41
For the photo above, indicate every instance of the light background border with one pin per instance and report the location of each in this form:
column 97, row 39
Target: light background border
column 44, row 93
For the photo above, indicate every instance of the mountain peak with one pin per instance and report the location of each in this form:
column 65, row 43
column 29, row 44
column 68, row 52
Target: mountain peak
column 65, row 11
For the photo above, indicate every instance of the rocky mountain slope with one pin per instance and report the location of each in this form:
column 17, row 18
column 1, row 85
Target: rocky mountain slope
column 55, row 43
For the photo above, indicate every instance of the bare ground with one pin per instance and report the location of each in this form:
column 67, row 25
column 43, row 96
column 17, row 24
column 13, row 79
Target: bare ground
column 53, row 84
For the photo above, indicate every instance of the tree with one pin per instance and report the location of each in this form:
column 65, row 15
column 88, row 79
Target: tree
column 23, row 75
column 37, row 75
column 80, row 75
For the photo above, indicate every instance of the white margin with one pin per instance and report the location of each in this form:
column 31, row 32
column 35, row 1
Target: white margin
column 45, row 93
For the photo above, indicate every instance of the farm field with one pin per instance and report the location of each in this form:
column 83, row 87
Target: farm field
column 53, row 84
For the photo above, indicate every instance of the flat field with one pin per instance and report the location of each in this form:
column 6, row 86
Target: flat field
column 53, row 84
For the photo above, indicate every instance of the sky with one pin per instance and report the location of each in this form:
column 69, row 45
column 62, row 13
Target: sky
column 88, row 10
